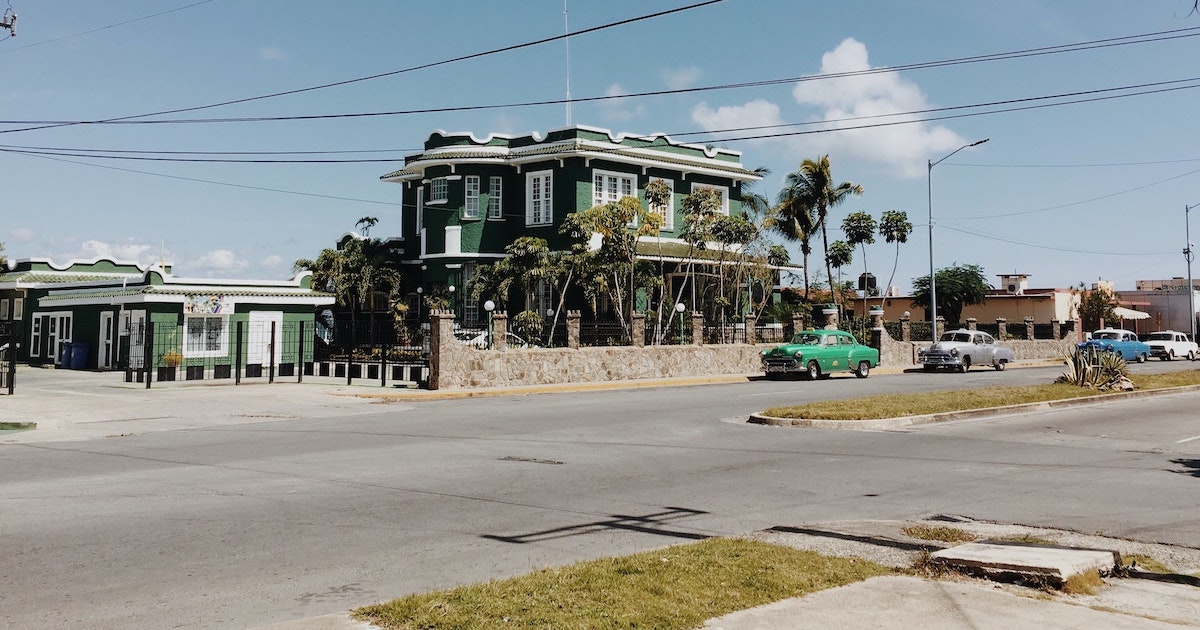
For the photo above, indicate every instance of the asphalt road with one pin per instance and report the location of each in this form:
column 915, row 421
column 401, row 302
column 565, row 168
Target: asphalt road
column 237, row 525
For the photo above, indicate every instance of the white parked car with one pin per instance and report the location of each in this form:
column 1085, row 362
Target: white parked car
column 960, row 349
column 1169, row 344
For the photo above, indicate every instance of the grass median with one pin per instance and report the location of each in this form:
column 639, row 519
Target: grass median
column 676, row 587
column 922, row 403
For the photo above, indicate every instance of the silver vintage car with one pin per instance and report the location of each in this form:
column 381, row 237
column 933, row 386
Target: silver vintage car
column 960, row 349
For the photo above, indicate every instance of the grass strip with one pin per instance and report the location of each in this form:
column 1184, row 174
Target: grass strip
column 678, row 587
column 916, row 404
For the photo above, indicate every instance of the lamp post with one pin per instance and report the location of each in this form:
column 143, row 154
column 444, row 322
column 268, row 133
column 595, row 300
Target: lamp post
column 932, row 271
column 680, row 308
column 489, row 306
column 1188, row 256
column 420, row 298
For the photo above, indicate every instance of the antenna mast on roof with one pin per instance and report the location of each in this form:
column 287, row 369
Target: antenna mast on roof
column 567, row 46
column 9, row 21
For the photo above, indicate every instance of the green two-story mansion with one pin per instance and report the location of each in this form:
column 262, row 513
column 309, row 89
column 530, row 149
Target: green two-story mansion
column 466, row 198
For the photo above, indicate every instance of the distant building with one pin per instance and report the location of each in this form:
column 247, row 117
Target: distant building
column 1013, row 300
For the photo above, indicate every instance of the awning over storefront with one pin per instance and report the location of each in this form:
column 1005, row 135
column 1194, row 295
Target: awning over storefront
column 1128, row 313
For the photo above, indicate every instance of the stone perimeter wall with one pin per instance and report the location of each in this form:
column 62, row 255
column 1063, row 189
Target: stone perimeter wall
column 457, row 365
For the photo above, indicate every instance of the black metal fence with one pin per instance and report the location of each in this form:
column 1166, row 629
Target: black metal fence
column 203, row 350
column 9, row 334
column 371, row 351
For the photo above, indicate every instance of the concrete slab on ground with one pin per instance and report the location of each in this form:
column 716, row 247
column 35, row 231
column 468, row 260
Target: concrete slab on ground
column 1053, row 564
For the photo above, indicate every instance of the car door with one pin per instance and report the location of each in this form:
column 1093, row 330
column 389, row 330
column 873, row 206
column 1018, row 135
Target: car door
column 985, row 349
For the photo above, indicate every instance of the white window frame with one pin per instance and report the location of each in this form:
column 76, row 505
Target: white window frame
column 204, row 345
column 611, row 186
column 18, row 308
column 3, row 309
column 471, row 204
column 470, row 302
column 439, row 190
column 724, row 190
column 35, row 345
column 539, row 198
column 542, row 298
column 495, row 208
column 668, row 212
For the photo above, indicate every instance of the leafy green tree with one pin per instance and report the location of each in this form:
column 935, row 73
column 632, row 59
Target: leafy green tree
column 356, row 274
column 957, row 286
column 813, row 185
column 365, row 224
column 1096, row 305
column 841, row 253
column 793, row 218
column 859, row 228
column 894, row 227
column 3, row 260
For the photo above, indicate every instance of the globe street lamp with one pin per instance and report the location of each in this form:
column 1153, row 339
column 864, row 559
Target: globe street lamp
column 932, row 272
column 679, row 308
column 489, row 306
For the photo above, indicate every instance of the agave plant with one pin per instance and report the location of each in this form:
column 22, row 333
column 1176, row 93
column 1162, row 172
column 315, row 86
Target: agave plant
column 1095, row 369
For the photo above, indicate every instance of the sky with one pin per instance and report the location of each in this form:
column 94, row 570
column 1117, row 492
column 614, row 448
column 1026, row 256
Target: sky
column 1091, row 109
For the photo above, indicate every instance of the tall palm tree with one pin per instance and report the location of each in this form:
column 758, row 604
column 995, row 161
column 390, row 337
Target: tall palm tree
column 793, row 218
column 814, row 183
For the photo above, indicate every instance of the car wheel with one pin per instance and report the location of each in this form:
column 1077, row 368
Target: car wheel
column 1191, row 355
column 814, row 370
column 1000, row 365
column 863, row 370
column 1141, row 358
column 1171, row 355
column 929, row 368
column 966, row 364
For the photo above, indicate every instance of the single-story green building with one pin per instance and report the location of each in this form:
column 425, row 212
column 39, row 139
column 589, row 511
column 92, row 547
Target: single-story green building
column 107, row 314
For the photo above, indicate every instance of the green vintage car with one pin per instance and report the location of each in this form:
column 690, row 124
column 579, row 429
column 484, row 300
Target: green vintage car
column 818, row 353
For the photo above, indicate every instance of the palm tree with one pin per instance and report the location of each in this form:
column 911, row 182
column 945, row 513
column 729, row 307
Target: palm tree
column 859, row 228
column 894, row 227
column 793, row 218
column 813, row 183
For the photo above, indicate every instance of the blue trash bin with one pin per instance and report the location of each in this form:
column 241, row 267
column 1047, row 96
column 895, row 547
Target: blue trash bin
column 63, row 360
column 79, row 356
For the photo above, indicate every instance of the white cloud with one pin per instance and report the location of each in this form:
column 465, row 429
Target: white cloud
column 619, row 110
column 128, row 251
column 904, row 148
column 22, row 235
column 271, row 53
column 756, row 113
column 219, row 260
column 681, row 78
column 271, row 262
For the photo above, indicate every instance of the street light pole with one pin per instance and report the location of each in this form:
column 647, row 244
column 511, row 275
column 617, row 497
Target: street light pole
column 1188, row 255
column 932, row 272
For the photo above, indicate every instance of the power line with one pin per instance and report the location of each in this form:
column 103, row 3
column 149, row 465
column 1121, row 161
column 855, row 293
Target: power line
column 993, row 237
column 381, row 75
column 1173, row 85
column 104, row 28
column 1063, row 48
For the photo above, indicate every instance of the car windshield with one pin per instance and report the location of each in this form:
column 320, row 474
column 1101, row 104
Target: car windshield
column 1161, row 337
column 1106, row 335
column 956, row 336
column 807, row 339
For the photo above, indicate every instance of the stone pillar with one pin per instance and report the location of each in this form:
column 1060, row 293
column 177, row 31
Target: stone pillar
column 441, row 337
column 831, row 317
column 972, row 323
column 573, row 330
column 1056, row 329
column 1001, row 329
column 637, row 327
column 1029, row 328
column 876, row 313
column 500, row 330
column 751, row 322
column 697, row 328
column 938, row 327
column 905, row 327
column 797, row 322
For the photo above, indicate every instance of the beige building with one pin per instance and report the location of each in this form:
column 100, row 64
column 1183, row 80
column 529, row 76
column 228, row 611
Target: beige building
column 1013, row 300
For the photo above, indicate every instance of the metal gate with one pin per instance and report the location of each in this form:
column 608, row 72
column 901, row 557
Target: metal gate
column 9, row 336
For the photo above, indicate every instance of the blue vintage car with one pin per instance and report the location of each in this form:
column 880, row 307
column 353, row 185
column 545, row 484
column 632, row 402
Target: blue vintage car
column 1122, row 342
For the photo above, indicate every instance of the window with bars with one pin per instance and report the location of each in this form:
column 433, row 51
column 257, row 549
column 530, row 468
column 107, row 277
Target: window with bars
column 495, row 190
column 667, row 210
column 539, row 209
column 438, row 190
column 206, row 336
column 471, row 206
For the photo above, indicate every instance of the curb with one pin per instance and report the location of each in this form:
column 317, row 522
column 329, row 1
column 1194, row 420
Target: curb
column 907, row 421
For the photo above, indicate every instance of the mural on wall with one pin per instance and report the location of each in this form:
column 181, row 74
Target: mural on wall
column 206, row 305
